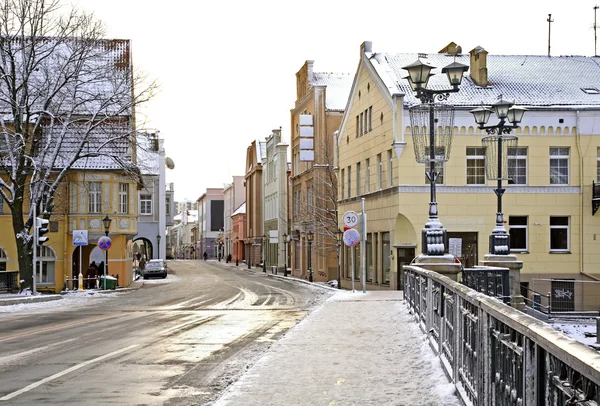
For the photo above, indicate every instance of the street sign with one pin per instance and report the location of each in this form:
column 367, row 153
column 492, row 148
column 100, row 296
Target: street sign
column 350, row 219
column 351, row 237
column 80, row 238
column 104, row 243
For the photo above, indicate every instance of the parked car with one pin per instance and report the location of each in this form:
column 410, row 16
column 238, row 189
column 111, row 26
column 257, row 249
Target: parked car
column 155, row 268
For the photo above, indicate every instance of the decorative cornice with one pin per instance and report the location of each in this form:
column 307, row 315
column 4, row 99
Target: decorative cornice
column 489, row 189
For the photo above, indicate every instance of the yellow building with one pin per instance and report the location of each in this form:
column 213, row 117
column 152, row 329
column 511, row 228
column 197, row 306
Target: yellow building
column 547, row 205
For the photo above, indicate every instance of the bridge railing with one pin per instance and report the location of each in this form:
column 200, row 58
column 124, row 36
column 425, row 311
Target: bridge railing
column 495, row 354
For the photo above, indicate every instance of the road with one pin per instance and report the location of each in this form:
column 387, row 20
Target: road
column 178, row 341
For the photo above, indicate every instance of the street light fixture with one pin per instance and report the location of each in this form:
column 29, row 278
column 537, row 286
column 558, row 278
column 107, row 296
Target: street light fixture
column 339, row 234
column 158, row 237
column 285, row 243
column 106, row 222
column 309, row 238
column 432, row 125
column 498, row 144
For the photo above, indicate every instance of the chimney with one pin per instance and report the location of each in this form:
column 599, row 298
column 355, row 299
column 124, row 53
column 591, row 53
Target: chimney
column 479, row 66
column 366, row 46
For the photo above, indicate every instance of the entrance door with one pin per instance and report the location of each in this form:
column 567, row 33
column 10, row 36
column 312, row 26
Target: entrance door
column 405, row 257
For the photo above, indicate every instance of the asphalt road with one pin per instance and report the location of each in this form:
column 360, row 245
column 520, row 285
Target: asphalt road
column 178, row 341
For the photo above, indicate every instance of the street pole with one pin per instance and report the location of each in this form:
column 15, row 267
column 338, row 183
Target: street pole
column 34, row 247
column 363, row 244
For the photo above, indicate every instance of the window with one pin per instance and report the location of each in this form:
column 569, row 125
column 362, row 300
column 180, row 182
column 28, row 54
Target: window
column 95, row 197
column 517, row 166
column 167, row 206
column 146, row 204
column 357, row 127
column 391, row 168
column 349, row 181
column 366, row 123
column 368, row 175
column 517, row 228
column 123, row 198
column 343, row 183
column 369, row 248
column 559, row 166
column 361, row 132
column 370, row 118
column 598, row 165
column 559, row 234
column 358, row 179
column 475, row 166
column 379, row 171
column 385, row 257
column 47, row 258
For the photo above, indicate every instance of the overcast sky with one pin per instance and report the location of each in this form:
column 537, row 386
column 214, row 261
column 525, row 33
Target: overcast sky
column 226, row 69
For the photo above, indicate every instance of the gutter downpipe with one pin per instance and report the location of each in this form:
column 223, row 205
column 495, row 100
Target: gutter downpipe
column 581, row 162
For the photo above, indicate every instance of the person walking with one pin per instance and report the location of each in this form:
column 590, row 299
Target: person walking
column 205, row 255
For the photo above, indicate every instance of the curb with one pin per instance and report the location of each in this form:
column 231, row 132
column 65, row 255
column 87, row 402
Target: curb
column 27, row 299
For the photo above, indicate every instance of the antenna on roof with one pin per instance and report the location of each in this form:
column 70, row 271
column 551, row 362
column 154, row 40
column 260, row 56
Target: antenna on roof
column 550, row 21
column 595, row 36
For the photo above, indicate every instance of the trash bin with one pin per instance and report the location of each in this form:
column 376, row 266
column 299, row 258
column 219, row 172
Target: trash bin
column 111, row 283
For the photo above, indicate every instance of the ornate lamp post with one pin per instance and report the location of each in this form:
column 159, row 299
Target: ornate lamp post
column 106, row 222
column 432, row 125
column 339, row 234
column 285, row 243
column 158, row 237
column 309, row 238
column 497, row 146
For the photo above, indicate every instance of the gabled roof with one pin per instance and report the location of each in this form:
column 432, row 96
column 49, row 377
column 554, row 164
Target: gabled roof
column 338, row 88
column 529, row 80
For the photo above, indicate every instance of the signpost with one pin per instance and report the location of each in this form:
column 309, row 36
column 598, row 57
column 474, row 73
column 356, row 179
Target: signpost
column 351, row 236
column 80, row 239
column 104, row 243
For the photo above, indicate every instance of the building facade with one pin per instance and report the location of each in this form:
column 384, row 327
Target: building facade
column 254, row 241
column 234, row 195
column 211, row 238
column 548, row 199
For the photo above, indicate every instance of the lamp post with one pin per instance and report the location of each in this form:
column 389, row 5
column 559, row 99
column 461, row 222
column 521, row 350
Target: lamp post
column 285, row 243
column 158, row 237
column 309, row 238
column 497, row 145
column 264, row 256
column 237, row 251
column 339, row 234
column 106, row 222
column 432, row 146
column 250, row 253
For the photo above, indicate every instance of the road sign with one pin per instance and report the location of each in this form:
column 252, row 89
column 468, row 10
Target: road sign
column 80, row 238
column 104, row 243
column 351, row 237
column 350, row 219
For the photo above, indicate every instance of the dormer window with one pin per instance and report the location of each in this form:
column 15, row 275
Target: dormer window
column 591, row 90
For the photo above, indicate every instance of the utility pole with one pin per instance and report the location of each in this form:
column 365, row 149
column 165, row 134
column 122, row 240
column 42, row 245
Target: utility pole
column 550, row 21
column 595, row 27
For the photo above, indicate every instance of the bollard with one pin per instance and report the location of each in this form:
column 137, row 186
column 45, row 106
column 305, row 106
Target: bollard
column 66, row 283
column 80, row 282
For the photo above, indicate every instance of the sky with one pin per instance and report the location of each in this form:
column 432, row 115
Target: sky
column 226, row 69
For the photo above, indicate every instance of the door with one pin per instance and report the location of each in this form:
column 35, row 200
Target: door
column 405, row 257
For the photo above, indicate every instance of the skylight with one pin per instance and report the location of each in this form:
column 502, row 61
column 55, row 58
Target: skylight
column 590, row 90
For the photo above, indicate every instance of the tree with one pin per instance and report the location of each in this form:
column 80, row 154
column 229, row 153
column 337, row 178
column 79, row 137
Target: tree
column 66, row 97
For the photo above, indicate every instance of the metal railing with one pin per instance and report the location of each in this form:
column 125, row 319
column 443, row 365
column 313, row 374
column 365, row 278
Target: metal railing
column 495, row 354
column 493, row 282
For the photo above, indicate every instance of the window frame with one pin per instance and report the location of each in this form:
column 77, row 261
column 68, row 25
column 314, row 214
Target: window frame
column 518, row 158
column 368, row 175
column 559, row 157
column 475, row 155
column 123, row 198
column 379, row 172
column 349, row 181
column 519, row 227
column 358, row 179
column 391, row 167
column 94, row 197
column 146, row 198
column 566, row 227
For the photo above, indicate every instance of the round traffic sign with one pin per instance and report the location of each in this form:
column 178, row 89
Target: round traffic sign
column 350, row 219
column 104, row 243
column 351, row 237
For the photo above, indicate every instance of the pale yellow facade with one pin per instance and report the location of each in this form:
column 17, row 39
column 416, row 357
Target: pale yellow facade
column 397, row 194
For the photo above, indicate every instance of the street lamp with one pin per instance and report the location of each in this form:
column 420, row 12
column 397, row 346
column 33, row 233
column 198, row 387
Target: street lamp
column 264, row 256
column 309, row 238
column 250, row 253
column 158, row 237
column 498, row 144
column 339, row 234
column 432, row 125
column 285, row 243
column 106, row 222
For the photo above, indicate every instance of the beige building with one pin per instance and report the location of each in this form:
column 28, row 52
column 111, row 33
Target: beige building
column 320, row 102
column 254, row 238
column 547, row 205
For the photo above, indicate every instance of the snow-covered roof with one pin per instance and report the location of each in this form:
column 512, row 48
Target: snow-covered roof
column 240, row 210
column 338, row 88
column 529, row 80
column 147, row 158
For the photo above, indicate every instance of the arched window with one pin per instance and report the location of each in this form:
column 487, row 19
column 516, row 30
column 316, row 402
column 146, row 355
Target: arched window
column 3, row 259
column 46, row 271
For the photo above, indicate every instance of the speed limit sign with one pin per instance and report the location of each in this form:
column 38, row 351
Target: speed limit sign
column 350, row 219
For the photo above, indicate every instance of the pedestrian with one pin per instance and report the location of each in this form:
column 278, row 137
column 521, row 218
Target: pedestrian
column 90, row 276
column 228, row 258
column 205, row 255
column 143, row 263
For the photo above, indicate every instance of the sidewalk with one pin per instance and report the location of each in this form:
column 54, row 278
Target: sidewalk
column 356, row 349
